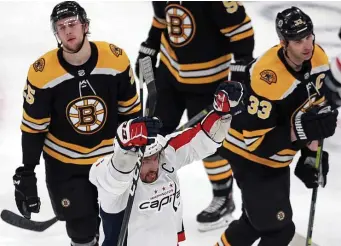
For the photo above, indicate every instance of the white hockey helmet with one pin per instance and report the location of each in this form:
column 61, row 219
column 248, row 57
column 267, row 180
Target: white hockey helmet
column 156, row 147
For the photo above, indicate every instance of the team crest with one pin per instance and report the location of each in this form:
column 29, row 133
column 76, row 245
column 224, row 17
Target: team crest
column 115, row 50
column 280, row 215
column 180, row 25
column 268, row 76
column 39, row 65
column 87, row 115
column 65, row 202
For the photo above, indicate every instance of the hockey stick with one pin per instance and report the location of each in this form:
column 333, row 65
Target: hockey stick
column 314, row 195
column 23, row 223
column 299, row 240
column 146, row 70
column 195, row 118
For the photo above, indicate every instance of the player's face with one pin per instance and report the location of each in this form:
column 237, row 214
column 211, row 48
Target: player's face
column 71, row 31
column 302, row 49
column 150, row 168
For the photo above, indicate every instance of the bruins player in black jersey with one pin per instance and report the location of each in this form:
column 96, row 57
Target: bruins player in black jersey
column 74, row 99
column 196, row 41
column 287, row 112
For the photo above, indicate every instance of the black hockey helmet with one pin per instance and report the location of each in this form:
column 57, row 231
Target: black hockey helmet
column 293, row 24
column 68, row 9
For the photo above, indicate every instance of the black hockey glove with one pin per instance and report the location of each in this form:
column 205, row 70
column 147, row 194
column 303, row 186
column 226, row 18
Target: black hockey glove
column 26, row 194
column 146, row 50
column 316, row 124
column 138, row 132
column 305, row 169
column 238, row 68
column 229, row 98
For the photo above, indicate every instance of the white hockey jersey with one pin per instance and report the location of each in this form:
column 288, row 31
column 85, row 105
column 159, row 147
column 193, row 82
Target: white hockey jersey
column 156, row 217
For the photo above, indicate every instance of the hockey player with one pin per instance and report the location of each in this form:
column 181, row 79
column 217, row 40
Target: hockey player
column 74, row 99
column 196, row 41
column 156, row 217
column 286, row 112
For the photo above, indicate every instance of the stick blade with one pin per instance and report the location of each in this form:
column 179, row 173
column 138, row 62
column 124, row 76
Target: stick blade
column 23, row 223
column 146, row 67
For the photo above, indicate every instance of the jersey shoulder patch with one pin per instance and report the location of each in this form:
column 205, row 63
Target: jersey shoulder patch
column 269, row 76
column 45, row 69
column 111, row 56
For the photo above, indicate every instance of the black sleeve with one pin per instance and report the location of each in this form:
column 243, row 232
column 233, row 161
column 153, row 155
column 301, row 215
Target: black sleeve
column 129, row 105
column 35, row 122
column 235, row 25
column 158, row 25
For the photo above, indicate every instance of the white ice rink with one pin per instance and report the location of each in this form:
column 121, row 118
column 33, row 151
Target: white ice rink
column 25, row 34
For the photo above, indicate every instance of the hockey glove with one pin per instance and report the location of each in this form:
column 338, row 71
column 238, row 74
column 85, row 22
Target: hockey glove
column 238, row 68
column 229, row 98
column 138, row 132
column 26, row 194
column 146, row 50
column 316, row 124
column 305, row 169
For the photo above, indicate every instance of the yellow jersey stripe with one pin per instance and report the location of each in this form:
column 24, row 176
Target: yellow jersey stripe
column 78, row 148
column 35, row 121
column 57, row 156
column 232, row 28
column 29, row 130
column 128, row 102
column 241, row 36
column 254, row 158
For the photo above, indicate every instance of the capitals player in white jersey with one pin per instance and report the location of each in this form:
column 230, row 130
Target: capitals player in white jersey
column 156, row 217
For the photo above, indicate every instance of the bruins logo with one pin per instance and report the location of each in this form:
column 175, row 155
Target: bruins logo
column 115, row 50
column 87, row 115
column 280, row 215
column 268, row 76
column 39, row 65
column 180, row 25
column 65, row 202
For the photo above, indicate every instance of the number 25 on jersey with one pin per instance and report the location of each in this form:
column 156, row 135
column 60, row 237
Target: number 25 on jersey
column 29, row 94
column 261, row 108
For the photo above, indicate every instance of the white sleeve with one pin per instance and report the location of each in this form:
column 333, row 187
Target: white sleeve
column 198, row 142
column 112, row 175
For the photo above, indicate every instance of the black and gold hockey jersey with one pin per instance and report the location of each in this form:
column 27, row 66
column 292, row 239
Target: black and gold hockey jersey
column 277, row 93
column 71, row 112
column 197, row 38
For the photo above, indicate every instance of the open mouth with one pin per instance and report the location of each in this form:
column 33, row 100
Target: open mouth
column 151, row 176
